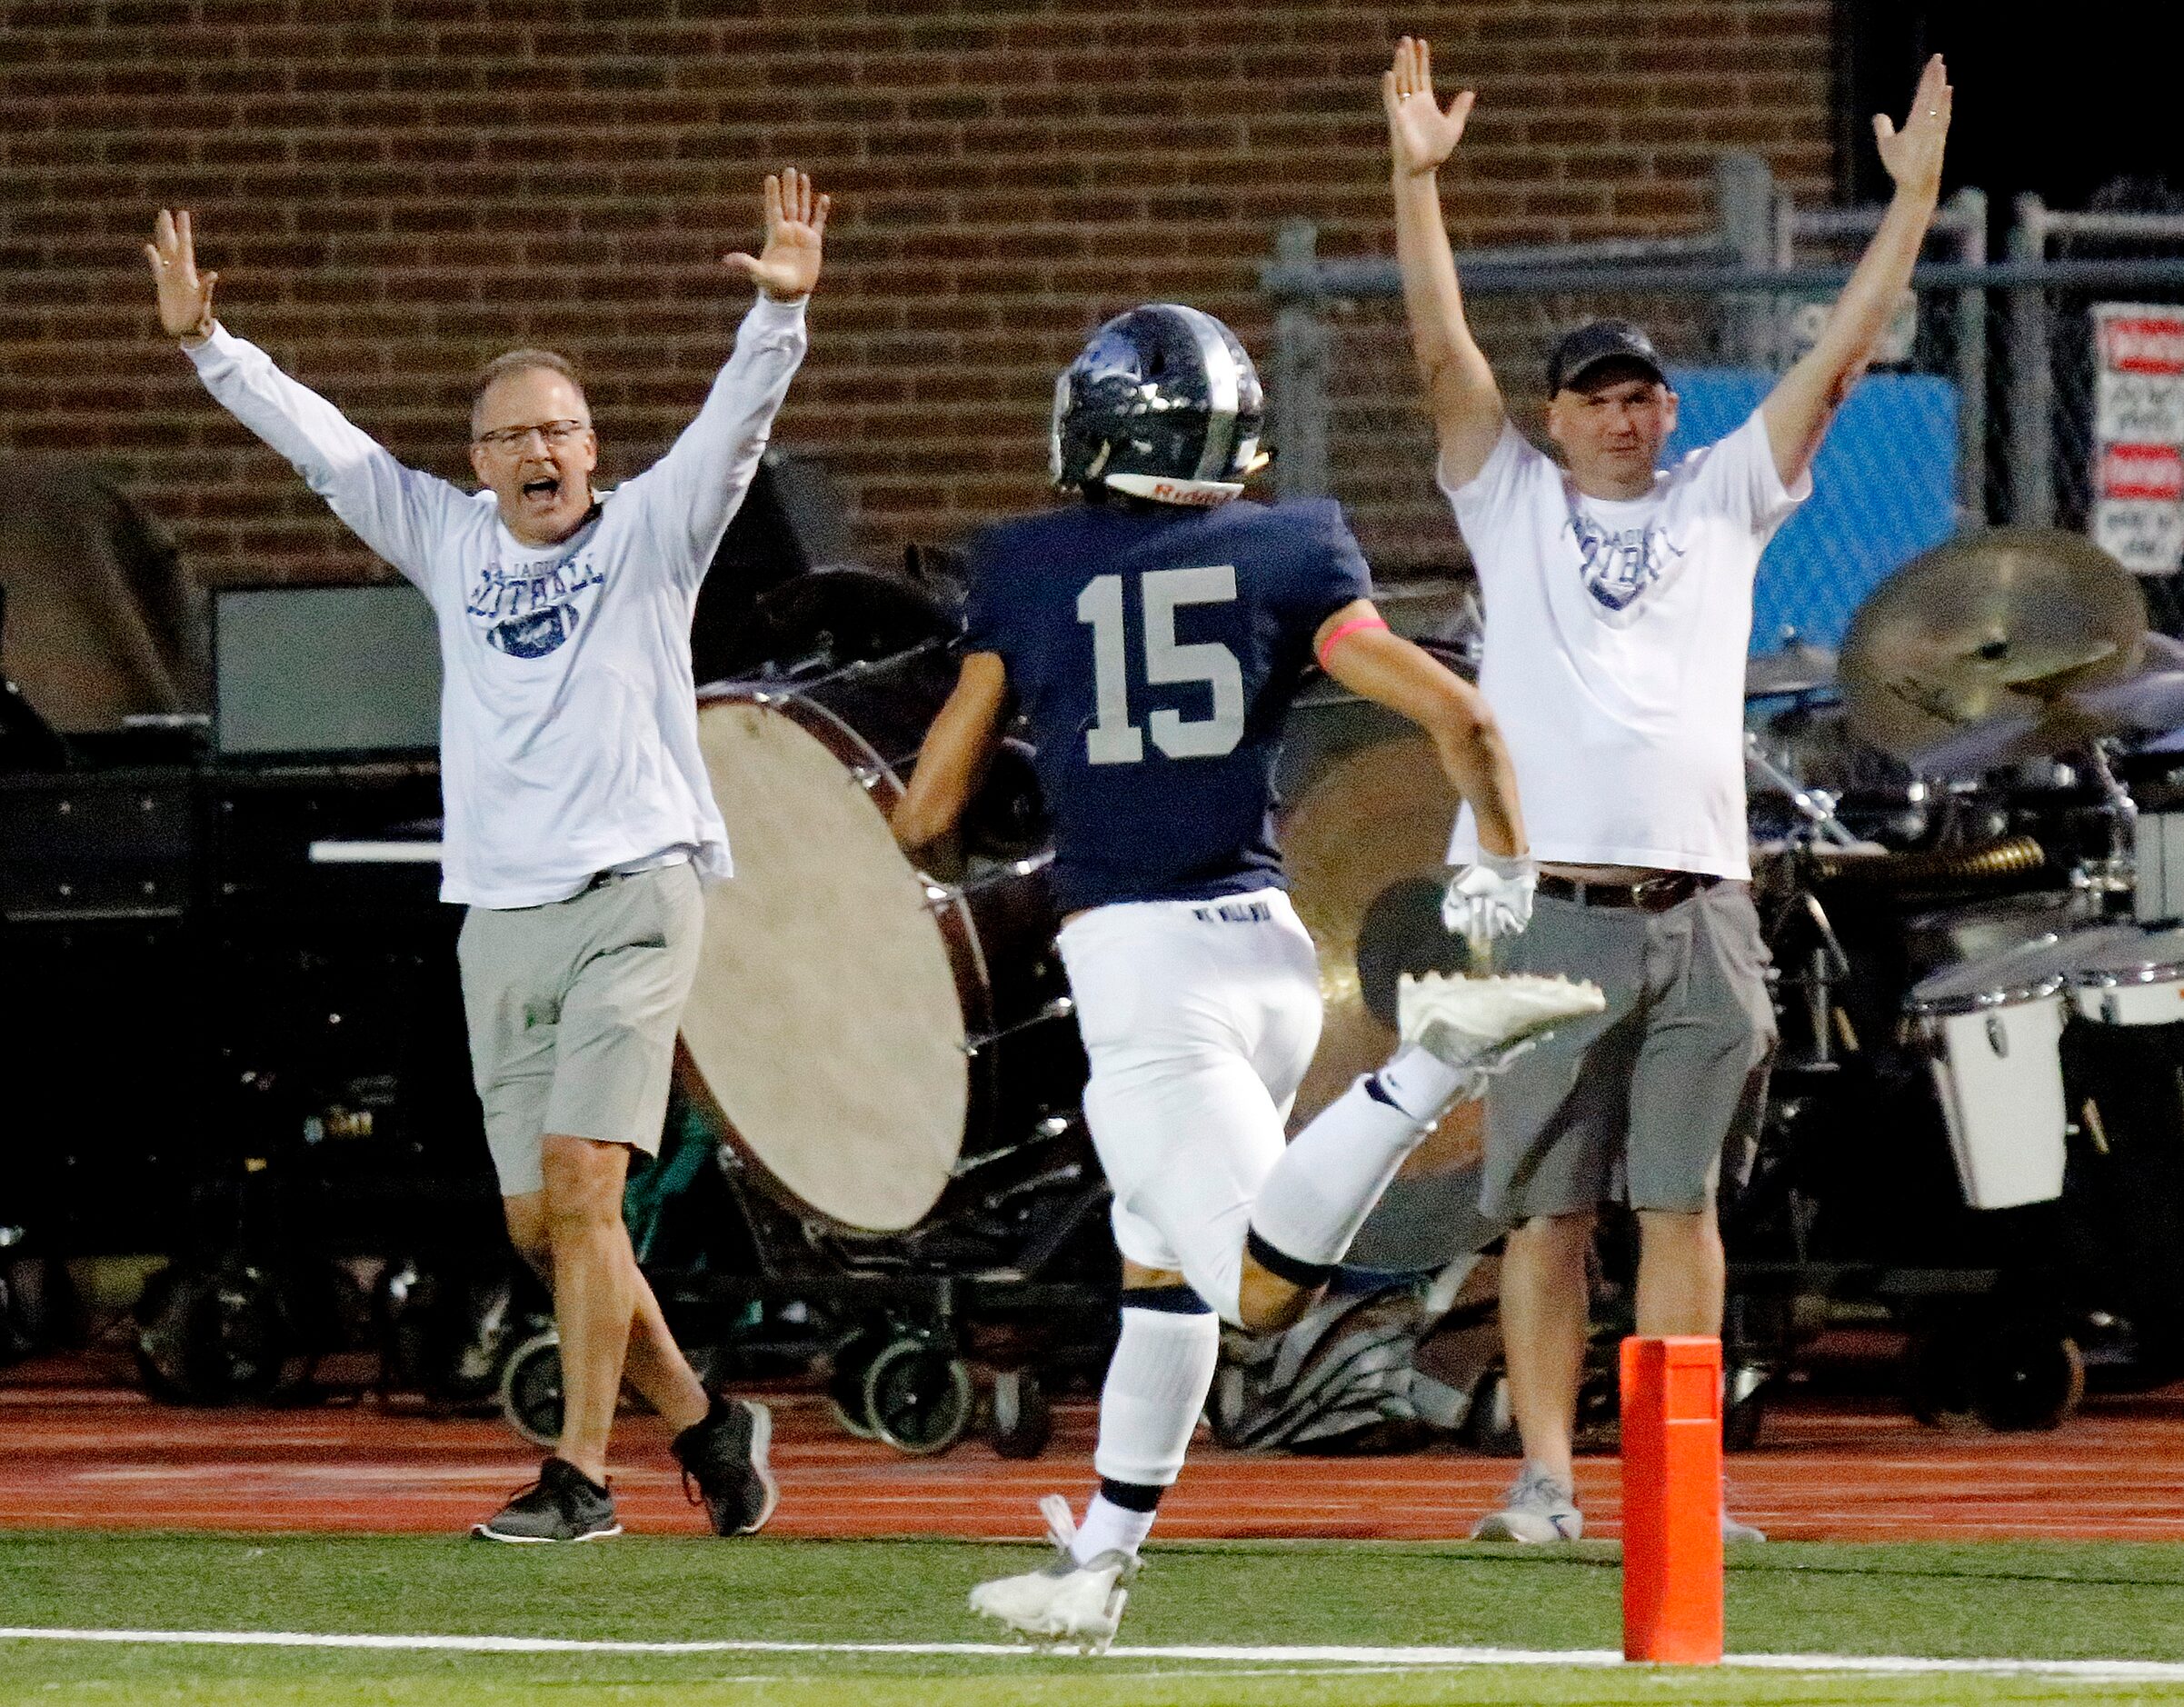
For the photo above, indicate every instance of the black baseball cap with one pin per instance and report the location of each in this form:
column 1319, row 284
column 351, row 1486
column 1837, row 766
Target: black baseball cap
column 1578, row 353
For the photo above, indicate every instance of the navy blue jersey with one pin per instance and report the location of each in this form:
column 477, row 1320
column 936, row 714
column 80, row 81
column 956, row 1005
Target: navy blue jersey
column 1154, row 651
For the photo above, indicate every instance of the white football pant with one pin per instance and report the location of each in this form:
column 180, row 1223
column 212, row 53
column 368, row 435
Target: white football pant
column 1199, row 1018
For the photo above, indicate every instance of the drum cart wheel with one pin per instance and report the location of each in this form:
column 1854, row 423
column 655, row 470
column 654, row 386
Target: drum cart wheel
column 218, row 1335
column 1023, row 1421
column 2025, row 1377
column 918, row 1396
column 531, row 1388
column 853, row 1362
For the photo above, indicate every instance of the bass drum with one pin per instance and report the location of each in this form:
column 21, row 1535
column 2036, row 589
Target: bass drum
column 868, row 1036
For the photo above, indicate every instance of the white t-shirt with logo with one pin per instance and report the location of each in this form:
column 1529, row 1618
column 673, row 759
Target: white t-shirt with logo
column 568, row 716
column 1616, row 631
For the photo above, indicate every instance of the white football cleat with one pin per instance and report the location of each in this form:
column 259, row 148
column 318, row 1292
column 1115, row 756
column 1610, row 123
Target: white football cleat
column 1064, row 1603
column 1487, row 1022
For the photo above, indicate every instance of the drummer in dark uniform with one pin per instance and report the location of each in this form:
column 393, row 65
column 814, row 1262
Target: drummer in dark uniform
column 1152, row 638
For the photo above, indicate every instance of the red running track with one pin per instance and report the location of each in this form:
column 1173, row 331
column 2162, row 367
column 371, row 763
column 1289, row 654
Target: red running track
column 102, row 1458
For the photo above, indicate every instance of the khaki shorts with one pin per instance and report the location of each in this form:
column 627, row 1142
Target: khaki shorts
column 1636, row 1103
column 573, row 1010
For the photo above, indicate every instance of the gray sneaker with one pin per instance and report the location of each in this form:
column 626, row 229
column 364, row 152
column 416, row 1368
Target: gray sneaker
column 1540, row 1506
column 1733, row 1531
column 562, row 1505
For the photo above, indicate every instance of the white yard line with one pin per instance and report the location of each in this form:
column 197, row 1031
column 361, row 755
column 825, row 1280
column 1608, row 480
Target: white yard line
column 1407, row 1659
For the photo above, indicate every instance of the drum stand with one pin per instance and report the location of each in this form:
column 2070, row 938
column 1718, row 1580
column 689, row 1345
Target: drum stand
column 2117, row 873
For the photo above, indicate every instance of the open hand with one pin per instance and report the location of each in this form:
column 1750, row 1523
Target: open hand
column 788, row 267
column 1913, row 154
column 1419, row 133
column 1488, row 900
column 185, row 296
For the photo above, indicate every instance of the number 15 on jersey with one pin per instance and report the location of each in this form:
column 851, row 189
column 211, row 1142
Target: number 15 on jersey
column 1112, row 738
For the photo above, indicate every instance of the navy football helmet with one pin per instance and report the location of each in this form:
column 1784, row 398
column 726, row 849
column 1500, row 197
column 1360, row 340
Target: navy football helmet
column 1163, row 404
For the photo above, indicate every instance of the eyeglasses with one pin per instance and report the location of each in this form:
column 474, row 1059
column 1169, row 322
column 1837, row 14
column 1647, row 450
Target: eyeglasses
column 556, row 434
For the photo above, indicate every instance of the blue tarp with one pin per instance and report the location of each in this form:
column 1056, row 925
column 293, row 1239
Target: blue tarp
column 1885, row 489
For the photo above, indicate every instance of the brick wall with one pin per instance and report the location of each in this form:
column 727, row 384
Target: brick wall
column 394, row 191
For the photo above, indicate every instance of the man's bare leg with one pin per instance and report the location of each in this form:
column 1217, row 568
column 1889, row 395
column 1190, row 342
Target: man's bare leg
column 594, row 1295
column 1681, row 1274
column 1546, row 1319
column 655, row 1365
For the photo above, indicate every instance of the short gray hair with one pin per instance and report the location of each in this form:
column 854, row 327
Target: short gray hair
column 522, row 362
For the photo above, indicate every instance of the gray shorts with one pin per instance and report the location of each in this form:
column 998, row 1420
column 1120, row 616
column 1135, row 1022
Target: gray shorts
column 1636, row 1103
column 573, row 1010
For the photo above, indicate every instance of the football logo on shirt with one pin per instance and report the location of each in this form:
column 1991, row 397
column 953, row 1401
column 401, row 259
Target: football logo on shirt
column 530, row 612
column 1619, row 565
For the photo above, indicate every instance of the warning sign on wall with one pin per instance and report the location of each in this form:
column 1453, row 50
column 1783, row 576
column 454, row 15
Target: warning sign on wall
column 2138, row 435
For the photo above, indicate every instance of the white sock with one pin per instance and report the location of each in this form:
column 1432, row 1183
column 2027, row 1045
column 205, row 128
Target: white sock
column 1334, row 1171
column 1421, row 1084
column 1154, row 1393
column 1109, row 1528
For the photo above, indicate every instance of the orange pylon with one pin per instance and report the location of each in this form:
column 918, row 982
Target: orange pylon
column 1672, row 1428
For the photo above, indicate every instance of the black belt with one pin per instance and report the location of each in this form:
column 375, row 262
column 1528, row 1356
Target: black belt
column 1647, row 894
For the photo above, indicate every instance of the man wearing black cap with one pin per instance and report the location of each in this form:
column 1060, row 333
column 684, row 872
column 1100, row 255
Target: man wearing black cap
column 1619, row 611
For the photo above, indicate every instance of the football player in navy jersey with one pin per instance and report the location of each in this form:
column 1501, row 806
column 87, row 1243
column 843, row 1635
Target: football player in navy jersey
column 1154, row 637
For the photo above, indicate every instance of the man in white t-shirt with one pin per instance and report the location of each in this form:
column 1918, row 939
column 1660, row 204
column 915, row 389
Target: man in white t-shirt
column 579, row 816
column 1619, row 612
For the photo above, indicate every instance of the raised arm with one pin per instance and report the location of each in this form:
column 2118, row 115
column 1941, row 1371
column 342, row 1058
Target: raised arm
column 957, row 750
column 398, row 512
column 1461, row 391
column 697, row 487
column 1800, row 406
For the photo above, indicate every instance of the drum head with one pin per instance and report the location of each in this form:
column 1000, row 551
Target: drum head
column 2127, row 955
column 2029, row 971
column 825, row 1020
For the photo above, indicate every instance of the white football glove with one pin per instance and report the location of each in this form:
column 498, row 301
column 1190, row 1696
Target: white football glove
column 1490, row 899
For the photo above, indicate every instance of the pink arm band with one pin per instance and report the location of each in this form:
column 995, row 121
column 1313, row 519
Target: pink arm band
column 1345, row 631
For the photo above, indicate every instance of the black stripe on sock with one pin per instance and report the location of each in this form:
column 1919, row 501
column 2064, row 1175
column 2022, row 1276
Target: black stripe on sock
column 1175, row 1300
column 1132, row 1496
column 1280, row 1264
column 1379, row 1092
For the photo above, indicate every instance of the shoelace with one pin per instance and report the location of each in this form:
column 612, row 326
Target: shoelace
column 1061, row 1523
column 1539, row 1483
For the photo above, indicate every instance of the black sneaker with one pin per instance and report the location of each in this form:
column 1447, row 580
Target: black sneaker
column 562, row 1505
column 725, row 1458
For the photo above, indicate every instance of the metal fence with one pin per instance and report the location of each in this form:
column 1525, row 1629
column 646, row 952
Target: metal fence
column 1980, row 409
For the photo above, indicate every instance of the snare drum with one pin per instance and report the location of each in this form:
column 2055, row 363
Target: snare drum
column 2131, row 976
column 1991, row 1030
column 867, row 1035
column 2125, row 1060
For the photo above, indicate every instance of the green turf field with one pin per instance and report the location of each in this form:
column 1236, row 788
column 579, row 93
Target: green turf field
column 2044, row 1602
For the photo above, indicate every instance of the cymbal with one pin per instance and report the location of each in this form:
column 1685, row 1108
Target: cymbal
column 1972, row 655
column 1796, row 668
